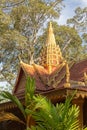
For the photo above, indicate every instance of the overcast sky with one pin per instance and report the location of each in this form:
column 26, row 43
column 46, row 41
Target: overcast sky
column 68, row 10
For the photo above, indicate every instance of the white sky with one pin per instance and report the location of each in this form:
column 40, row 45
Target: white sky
column 68, row 11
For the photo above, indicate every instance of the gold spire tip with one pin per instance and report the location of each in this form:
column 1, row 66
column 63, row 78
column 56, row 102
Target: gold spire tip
column 50, row 26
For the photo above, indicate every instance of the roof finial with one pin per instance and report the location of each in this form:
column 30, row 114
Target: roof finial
column 85, row 78
column 51, row 37
column 19, row 58
column 50, row 28
column 51, row 55
column 67, row 84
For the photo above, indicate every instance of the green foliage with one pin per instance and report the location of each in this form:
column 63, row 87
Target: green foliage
column 47, row 116
column 85, row 37
column 59, row 117
column 20, row 24
column 29, row 92
column 4, row 22
column 32, row 16
column 14, row 99
column 85, row 128
column 79, row 20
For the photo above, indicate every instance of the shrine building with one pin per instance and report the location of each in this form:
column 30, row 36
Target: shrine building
column 54, row 77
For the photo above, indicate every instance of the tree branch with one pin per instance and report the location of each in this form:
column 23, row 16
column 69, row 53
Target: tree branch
column 14, row 4
column 7, row 80
column 66, row 45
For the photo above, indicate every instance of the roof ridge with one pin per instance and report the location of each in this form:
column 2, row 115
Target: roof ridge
column 39, row 75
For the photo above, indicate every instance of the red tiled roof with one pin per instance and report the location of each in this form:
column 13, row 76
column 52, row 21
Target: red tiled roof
column 47, row 82
column 77, row 70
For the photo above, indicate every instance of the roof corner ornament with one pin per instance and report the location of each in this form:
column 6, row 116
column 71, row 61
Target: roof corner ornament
column 85, row 78
column 67, row 84
column 19, row 57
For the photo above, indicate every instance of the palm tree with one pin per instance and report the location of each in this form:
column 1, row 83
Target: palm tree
column 60, row 117
column 47, row 116
column 29, row 103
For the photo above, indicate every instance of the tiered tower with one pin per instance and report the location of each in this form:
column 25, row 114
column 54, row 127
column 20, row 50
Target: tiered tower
column 51, row 55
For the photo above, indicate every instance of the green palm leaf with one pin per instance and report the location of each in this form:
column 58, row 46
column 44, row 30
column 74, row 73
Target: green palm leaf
column 14, row 99
column 29, row 91
column 47, row 116
column 59, row 117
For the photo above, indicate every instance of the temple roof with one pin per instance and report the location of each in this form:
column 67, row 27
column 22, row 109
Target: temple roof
column 54, row 73
column 46, row 82
column 54, row 76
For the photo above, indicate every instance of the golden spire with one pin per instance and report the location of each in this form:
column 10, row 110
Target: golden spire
column 51, row 37
column 51, row 55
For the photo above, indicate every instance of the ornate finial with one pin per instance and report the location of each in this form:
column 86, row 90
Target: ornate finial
column 50, row 24
column 51, row 37
column 67, row 73
column 67, row 84
column 85, row 78
column 50, row 28
column 51, row 55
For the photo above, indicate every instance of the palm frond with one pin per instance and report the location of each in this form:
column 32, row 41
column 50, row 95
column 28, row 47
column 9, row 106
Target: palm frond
column 14, row 99
column 59, row 117
column 45, row 113
column 42, row 102
column 35, row 128
column 29, row 90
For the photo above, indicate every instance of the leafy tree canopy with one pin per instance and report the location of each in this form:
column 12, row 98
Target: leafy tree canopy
column 79, row 21
column 20, row 24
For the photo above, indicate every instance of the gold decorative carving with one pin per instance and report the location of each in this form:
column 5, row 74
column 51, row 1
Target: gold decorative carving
column 67, row 84
column 85, row 78
column 51, row 55
column 81, row 83
column 77, row 83
column 51, row 59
